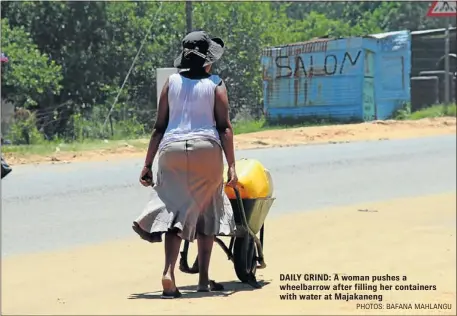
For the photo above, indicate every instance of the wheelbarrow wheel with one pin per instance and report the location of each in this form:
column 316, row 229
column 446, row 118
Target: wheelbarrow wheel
column 244, row 260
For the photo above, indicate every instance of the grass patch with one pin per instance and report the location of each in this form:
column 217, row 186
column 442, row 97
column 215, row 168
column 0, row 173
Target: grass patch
column 50, row 148
column 241, row 127
column 434, row 111
column 439, row 110
column 244, row 127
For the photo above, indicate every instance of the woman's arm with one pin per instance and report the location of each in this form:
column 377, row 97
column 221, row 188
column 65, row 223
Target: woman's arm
column 160, row 127
column 223, row 124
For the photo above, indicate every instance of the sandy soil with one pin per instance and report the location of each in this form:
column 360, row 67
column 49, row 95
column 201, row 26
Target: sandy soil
column 409, row 237
column 378, row 130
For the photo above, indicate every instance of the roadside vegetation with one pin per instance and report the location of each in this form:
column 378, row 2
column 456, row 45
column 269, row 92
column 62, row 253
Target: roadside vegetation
column 65, row 87
column 139, row 143
column 438, row 110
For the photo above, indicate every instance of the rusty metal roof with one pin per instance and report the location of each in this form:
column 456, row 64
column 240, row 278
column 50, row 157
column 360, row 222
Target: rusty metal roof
column 320, row 40
column 320, row 43
column 377, row 36
column 311, row 41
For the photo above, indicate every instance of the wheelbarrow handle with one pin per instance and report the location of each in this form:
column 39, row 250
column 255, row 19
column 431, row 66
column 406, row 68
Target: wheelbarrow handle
column 239, row 200
column 238, row 196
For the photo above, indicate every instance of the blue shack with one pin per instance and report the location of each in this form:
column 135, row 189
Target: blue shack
column 363, row 78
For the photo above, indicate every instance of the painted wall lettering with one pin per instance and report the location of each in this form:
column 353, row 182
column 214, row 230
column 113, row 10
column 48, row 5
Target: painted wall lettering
column 348, row 56
column 279, row 60
column 305, row 65
column 299, row 65
column 300, row 68
column 329, row 60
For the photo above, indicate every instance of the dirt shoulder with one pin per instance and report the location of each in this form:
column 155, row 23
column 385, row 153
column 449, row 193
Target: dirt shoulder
column 412, row 238
column 377, row 130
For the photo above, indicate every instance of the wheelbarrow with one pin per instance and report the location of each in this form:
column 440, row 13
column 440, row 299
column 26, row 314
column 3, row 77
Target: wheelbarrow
column 245, row 249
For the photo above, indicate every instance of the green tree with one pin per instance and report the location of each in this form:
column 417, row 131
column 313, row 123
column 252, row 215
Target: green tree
column 29, row 76
column 405, row 15
column 94, row 43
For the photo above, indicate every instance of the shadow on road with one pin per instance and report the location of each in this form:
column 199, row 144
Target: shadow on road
column 190, row 291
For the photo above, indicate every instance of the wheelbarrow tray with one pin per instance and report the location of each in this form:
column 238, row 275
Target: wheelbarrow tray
column 256, row 211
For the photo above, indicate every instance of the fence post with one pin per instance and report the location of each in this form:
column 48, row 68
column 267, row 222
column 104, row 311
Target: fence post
column 446, row 65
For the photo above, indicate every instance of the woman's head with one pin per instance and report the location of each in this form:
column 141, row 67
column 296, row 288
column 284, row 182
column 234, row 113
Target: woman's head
column 199, row 51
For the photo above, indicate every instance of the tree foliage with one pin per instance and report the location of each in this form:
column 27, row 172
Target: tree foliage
column 69, row 59
column 29, row 76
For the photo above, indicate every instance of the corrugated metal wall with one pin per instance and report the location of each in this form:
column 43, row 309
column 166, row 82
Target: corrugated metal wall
column 354, row 78
column 392, row 73
column 320, row 78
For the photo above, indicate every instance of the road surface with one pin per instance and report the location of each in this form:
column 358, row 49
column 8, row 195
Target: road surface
column 51, row 207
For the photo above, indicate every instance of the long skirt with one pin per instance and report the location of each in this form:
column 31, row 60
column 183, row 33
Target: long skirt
column 188, row 196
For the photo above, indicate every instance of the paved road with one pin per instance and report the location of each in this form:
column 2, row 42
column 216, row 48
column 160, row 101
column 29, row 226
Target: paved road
column 57, row 206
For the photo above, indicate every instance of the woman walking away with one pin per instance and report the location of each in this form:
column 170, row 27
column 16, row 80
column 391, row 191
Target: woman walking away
column 191, row 131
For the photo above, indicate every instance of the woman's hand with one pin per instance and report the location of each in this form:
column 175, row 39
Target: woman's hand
column 232, row 177
column 146, row 177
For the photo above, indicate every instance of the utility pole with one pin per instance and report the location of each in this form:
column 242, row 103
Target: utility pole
column 447, row 80
column 189, row 15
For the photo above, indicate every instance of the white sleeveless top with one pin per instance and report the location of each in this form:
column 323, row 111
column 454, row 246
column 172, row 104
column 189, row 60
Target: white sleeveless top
column 191, row 106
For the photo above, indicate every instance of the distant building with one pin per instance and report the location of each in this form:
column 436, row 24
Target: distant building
column 358, row 78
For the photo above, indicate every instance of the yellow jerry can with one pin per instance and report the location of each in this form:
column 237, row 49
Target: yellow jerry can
column 254, row 180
